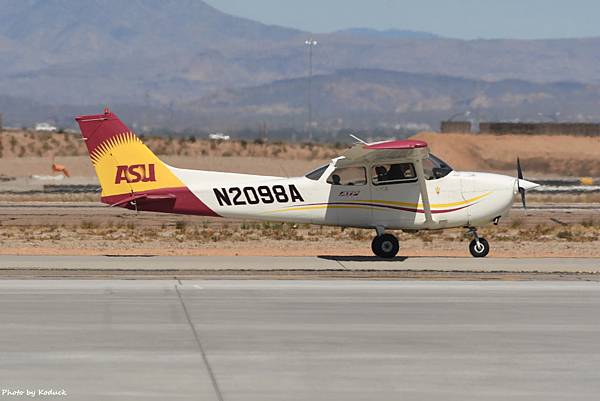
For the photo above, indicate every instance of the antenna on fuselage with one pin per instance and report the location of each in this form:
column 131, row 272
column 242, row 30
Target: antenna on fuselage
column 358, row 139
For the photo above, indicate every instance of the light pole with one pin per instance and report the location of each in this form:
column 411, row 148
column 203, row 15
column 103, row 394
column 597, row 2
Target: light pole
column 465, row 113
column 310, row 43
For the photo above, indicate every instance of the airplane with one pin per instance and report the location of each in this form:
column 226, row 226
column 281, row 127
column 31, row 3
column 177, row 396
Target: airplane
column 388, row 185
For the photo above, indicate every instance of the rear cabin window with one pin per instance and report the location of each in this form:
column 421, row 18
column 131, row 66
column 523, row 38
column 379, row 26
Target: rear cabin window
column 386, row 174
column 348, row 176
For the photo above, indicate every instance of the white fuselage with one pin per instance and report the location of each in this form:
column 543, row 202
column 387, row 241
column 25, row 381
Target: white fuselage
column 459, row 199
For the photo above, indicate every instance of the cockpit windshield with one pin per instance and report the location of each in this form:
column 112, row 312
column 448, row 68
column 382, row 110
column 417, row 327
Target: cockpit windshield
column 317, row 174
column 435, row 168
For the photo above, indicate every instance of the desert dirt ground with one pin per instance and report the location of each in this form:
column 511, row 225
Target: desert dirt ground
column 25, row 153
column 541, row 155
column 80, row 167
column 87, row 229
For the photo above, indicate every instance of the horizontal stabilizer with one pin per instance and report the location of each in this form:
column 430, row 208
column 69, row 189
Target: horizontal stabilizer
column 143, row 198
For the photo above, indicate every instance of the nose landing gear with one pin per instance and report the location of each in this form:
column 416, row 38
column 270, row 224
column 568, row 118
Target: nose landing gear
column 479, row 247
column 385, row 245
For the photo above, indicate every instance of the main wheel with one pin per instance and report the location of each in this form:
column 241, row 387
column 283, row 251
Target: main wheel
column 385, row 246
column 479, row 250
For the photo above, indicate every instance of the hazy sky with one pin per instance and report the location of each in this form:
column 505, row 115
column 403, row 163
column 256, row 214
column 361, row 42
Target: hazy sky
column 454, row 18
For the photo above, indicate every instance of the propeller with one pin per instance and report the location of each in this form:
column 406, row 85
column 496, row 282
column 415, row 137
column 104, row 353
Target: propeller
column 519, row 181
column 523, row 185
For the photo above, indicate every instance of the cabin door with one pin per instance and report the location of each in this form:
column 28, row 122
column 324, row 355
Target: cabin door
column 395, row 194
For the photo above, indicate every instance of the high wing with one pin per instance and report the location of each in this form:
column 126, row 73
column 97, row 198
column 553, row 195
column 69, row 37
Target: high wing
column 384, row 151
column 398, row 150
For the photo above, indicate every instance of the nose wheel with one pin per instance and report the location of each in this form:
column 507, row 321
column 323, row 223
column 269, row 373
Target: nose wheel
column 385, row 246
column 479, row 247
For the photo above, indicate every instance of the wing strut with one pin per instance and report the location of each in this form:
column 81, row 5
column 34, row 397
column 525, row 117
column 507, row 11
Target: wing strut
column 424, row 194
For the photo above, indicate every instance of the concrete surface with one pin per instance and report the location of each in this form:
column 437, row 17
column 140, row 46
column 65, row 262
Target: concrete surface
column 267, row 263
column 324, row 340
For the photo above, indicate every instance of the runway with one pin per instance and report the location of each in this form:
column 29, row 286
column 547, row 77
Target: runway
column 326, row 266
column 301, row 340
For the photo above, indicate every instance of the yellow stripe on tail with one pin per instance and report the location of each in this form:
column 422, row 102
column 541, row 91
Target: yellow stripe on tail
column 124, row 165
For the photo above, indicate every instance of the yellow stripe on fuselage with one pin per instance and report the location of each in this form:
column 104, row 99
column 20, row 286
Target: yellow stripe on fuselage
column 380, row 203
column 420, row 205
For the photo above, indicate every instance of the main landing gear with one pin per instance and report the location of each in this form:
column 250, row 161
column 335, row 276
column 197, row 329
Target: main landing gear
column 385, row 245
column 479, row 247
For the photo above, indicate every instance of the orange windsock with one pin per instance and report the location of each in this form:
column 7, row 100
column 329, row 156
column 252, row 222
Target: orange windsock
column 59, row 168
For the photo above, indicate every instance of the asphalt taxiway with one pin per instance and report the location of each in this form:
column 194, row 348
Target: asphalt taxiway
column 301, row 340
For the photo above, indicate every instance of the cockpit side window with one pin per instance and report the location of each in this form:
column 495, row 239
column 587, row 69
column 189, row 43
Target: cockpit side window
column 435, row 168
column 386, row 174
column 317, row 174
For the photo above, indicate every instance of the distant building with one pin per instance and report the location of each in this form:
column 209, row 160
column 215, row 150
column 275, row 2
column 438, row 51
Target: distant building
column 455, row 127
column 501, row 128
column 219, row 137
column 45, row 127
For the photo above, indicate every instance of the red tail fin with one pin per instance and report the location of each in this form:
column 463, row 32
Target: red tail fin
column 98, row 128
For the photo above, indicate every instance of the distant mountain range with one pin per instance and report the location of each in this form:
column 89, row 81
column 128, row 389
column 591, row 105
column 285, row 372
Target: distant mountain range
column 364, row 98
column 387, row 33
column 358, row 99
column 187, row 59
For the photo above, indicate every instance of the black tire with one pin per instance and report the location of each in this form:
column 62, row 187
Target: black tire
column 479, row 251
column 385, row 246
